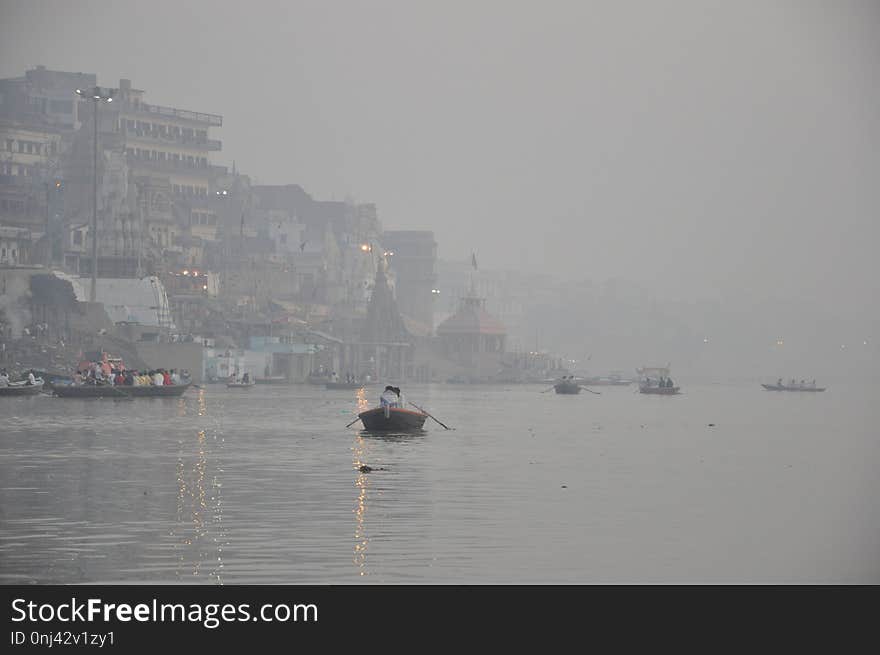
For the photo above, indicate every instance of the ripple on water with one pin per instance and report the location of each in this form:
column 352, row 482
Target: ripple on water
column 264, row 487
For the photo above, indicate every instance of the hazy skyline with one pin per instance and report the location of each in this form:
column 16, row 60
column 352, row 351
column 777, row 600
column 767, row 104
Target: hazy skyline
column 707, row 149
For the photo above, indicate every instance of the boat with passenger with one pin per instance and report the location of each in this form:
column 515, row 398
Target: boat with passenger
column 244, row 382
column 567, row 386
column 793, row 386
column 614, row 379
column 656, row 381
column 392, row 419
column 30, row 386
column 344, row 385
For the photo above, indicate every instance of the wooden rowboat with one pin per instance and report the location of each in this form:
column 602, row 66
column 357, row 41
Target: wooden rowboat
column 22, row 389
column 777, row 387
column 344, row 385
column 567, row 387
column 660, row 391
column 392, row 419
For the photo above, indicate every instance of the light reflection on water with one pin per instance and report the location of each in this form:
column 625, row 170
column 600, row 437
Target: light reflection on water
column 223, row 487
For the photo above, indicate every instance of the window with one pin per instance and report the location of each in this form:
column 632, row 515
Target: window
column 77, row 238
column 9, row 144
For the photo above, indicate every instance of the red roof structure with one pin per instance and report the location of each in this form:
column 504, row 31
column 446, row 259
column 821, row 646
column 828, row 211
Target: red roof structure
column 471, row 318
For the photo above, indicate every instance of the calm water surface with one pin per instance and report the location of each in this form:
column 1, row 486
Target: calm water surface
column 262, row 485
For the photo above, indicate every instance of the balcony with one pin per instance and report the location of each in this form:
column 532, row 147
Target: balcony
column 179, row 166
column 213, row 145
column 183, row 114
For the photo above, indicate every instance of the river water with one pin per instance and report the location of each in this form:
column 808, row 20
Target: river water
column 262, row 485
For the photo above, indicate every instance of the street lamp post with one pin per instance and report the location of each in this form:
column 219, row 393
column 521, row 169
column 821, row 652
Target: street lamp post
column 50, row 185
column 96, row 96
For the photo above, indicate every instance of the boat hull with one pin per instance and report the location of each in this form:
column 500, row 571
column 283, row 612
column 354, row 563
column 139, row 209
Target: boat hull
column 117, row 391
column 21, row 389
column 240, row 385
column 272, row 380
column 659, row 391
column 567, row 389
column 776, row 387
column 397, row 419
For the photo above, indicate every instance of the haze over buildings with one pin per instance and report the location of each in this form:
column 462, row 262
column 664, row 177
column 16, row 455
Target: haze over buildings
column 717, row 163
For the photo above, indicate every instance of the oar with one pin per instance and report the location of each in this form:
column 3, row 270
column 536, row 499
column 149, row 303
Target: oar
column 353, row 422
column 422, row 410
column 550, row 389
column 590, row 390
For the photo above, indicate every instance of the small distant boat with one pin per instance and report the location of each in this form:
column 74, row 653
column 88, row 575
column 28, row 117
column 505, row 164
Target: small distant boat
column 118, row 390
column 567, row 387
column 345, row 385
column 22, row 388
column 392, row 419
column 652, row 381
column 273, row 379
column 241, row 385
column 782, row 387
column 660, row 391
column 609, row 381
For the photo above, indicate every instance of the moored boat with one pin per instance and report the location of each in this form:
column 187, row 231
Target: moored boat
column 119, row 390
column 22, row 389
column 656, row 381
column 273, row 379
column 610, row 381
column 782, row 387
column 345, row 385
column 660, row 391
column 241, row 385
column 392, row 419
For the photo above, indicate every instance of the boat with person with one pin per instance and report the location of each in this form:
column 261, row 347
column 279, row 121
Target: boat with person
column 656, row 381
column 808, row 387
column 344, row 385
column 660, row 391
column 119, row 390
column 22, row 388
column 610, row 380
column 392, row 419
column 243, row 382
column 567, row 386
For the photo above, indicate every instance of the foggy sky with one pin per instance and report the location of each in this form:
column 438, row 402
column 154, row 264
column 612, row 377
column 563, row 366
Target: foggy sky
column 725, row 150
